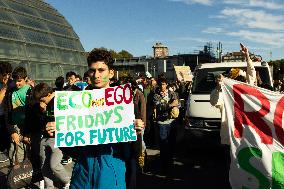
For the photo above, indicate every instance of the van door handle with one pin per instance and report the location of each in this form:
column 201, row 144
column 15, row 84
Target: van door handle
column 201, row 100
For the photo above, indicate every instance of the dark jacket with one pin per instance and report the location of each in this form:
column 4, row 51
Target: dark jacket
column 71, row 88
column 9, row 110
column 162, row 107
column 140, row 113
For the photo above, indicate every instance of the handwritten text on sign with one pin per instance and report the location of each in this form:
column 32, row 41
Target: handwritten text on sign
column 92, row 117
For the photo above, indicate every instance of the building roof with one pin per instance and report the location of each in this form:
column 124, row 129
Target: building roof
column 33, row 31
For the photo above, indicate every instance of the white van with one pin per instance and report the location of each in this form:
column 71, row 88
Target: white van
column 202, row 116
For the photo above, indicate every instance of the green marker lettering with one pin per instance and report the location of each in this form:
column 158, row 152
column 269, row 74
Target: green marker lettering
column 93, row 135
column 126, row 134
column 119, row 117
column 59, row 120
column 244, row 157
column 59, row 138
column 80, row 122
column 101, row 137
column 107, row 115
column 78, row 137
column 61, row 101
column 110, row 133
column 69, row 139
column 99, row 119
column 89, row 121
column 86, row 99
column 133, row 135
column 70, row 122
column 71, row 102
column 119, row 134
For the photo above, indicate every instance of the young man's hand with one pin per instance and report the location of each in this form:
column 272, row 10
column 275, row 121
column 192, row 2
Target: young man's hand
column 139, row 125
column 15, row 138
column 50, row 128
column 42, row 106
column 244, row 50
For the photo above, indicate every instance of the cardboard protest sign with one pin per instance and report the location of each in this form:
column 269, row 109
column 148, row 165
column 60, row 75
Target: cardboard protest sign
column 183, row 73
column 255, row 121
column 93, row 117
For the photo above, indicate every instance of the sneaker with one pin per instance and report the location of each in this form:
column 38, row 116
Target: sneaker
column 3, row 157
column 66, row 160
column 41, row 184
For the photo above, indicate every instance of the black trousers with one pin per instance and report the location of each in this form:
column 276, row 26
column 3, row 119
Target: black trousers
column 5, row 138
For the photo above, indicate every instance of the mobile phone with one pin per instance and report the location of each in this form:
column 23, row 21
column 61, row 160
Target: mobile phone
column 242, row 45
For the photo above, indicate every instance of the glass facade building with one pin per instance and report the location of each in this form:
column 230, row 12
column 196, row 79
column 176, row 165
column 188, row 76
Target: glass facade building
column 36, row 36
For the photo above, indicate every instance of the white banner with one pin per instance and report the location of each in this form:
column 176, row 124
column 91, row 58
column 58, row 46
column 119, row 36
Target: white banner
column 255, row 121
column 92, row 117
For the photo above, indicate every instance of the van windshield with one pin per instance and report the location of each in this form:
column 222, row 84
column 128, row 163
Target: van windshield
column 204, row 79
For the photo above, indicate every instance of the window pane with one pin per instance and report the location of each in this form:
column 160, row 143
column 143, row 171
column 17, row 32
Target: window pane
column 2, row 4
column 10, row 32
column 32, row 74
column 36, row 37
column 22, row 8
column 4, row 15
column 43, row 71
column 10, row 49
column 59, row 29
column 65, row 43
column 52, row 17
column 31, row 22
column 40, row 53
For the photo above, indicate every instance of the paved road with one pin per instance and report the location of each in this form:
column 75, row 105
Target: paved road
column 194, row 168
column 197, row 165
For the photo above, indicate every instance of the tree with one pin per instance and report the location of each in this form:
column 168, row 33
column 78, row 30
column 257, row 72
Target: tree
column 113, row 53
column 278, row 68
column 125, row 54
column 121, row 54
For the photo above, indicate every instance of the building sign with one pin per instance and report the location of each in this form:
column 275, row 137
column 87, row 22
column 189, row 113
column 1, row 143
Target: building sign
column 93, row 117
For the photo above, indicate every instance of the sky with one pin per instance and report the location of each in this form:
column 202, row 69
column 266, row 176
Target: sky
column 184, row 26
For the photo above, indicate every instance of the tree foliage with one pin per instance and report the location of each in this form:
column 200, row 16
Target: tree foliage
column 121, row 54
column 278, row 68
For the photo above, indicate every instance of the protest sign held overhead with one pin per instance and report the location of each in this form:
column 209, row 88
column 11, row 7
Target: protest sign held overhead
column 93, row 117
column 183, row 73
column 255, row 121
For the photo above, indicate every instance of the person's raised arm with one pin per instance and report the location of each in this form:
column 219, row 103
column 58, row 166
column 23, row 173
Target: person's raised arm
column 250, row 73
column 215, row 97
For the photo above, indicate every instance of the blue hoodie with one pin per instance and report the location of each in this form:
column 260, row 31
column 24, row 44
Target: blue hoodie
column 100, row 167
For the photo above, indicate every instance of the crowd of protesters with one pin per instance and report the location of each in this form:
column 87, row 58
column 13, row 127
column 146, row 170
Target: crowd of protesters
column 28, row 125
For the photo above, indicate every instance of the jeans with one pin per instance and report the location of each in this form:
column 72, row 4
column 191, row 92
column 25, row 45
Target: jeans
column 167, row 142
column 4, row 135
column 51, row 166
column 22, row 148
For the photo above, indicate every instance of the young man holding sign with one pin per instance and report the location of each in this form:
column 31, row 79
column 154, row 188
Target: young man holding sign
column 101, row 166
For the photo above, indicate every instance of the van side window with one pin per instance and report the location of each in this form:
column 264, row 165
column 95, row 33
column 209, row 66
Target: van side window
column 204, row 79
